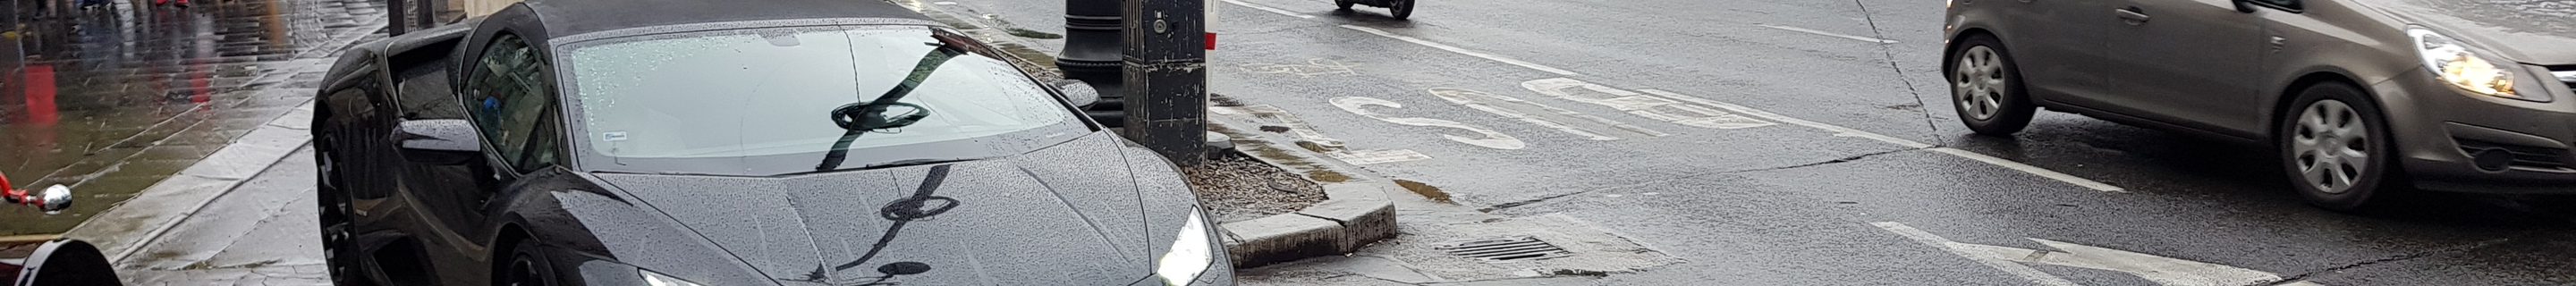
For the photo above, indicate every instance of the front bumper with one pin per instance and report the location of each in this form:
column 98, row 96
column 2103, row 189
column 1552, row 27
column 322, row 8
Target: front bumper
column 577, row 268
column 2443, row 135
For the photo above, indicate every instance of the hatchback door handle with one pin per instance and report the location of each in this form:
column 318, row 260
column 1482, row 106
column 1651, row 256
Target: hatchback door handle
column 2132, row 14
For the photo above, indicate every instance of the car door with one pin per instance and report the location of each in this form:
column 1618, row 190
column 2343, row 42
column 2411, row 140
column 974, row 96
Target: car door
column 512, row 103
column 2187, row 62
column 2057, row 44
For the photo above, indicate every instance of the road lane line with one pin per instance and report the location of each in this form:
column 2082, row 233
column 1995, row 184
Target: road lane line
column 2034, row 170
column 1272, row 10
column 1848, row 132
column 1955, row 248
column 1462, row 51
column 1829, row 34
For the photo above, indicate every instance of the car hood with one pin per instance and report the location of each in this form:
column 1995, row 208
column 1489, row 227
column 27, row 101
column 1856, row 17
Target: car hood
column 1063, row 215
column 2533, row 32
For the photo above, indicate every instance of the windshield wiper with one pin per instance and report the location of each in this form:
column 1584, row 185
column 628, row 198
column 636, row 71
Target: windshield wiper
column 861, row 118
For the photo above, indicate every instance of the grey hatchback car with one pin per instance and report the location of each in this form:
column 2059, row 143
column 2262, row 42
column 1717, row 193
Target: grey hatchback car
column 2359, row 97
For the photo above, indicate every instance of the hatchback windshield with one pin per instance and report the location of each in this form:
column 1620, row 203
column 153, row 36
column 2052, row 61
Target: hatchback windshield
column 764, row 101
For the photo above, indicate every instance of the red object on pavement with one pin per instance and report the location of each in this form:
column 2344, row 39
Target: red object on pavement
column 40, row 94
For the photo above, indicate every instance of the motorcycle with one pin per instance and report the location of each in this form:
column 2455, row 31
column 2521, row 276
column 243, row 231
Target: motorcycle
column 1401, row 9
column 56, row 261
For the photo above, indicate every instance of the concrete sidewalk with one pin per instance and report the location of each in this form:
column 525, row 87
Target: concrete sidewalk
column 263, row 232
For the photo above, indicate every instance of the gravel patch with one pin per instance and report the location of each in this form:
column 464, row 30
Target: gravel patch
column 1235, row 188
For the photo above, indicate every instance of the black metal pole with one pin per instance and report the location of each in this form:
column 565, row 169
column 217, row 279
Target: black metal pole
column 1166, row 68
column 398, row 17
column 1091, row 51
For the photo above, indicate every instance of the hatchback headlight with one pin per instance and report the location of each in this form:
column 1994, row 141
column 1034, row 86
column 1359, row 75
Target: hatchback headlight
column 2453, row 61
column 1190, row 253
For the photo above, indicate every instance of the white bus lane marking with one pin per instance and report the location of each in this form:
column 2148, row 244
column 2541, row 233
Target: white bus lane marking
column 1331, row 147
column 1848, row 132
column 1490, row 139
column 1462, row 51
column 2161, row 270
column 1642, row 105
column 1479, row 100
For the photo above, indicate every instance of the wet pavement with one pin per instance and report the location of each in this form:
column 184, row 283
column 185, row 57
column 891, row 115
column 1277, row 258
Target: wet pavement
column 1745, row 138
column 111, row 99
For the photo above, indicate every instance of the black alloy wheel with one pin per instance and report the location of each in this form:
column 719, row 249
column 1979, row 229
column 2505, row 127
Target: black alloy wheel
column 1403, row 9
column 2335, row 147
column 1986, row 87
column 527, row 267
column 339, row 256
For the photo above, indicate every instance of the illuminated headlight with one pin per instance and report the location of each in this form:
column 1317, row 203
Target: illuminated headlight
column 2452, row 60
column 1190, row 253
column 657, row 279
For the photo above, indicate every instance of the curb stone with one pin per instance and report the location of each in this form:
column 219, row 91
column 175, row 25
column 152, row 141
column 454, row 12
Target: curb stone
column 1355, row 213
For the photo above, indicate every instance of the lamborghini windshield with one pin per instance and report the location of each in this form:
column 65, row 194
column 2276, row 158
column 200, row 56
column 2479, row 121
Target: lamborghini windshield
column 782, row 100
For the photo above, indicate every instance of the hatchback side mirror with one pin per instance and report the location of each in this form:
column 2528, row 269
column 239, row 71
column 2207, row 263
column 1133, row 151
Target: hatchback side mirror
column 1080, row 93
column 440, row 141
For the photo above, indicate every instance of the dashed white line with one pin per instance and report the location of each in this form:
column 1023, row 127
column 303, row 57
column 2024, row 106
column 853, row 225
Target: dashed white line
column 1848, row 132
column 1462, row 51
column 1829, row 34
column 1272, row 10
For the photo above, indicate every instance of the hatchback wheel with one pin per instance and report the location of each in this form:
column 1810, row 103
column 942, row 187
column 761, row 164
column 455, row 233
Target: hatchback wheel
column 2335, row 147
column 1986, row 88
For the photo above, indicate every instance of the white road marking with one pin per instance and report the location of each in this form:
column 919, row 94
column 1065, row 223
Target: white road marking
column 1848, row 132
column 1643, row 105
column 2161, row 270
column 2034, row 170
column 1927, row 238
column 1272, row 10
column 1490, row 139
column 1462, row 51
column 1471, row 98
column 1829, row 34
column 1310, row 69
column 1333, row 147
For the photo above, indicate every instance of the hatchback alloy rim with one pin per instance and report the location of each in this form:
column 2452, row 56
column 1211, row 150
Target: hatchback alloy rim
column 1978, row 83
column 2331, row 146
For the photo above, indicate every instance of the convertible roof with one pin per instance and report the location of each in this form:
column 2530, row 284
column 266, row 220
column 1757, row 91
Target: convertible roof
column 573, row 17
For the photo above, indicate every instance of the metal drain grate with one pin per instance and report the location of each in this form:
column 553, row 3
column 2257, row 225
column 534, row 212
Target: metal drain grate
column 1515, row 248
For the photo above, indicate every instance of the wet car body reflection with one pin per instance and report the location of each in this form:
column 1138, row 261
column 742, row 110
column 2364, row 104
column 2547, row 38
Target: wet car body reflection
column 590, row 142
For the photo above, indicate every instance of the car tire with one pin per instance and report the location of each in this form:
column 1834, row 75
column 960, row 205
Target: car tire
column 1345, row 4
column 526, row 266
column 2336, row 150
column 1986, row 88
column 1401, row 9
column 340, row 256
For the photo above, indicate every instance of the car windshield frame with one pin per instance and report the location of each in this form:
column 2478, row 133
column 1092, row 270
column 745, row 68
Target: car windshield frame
column 586, row 158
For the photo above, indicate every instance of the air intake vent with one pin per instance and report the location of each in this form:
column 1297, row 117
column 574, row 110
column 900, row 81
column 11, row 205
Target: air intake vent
column 2565, row 74
column 1514, row 248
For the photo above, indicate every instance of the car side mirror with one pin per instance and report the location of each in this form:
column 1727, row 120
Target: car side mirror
column 440, row 141
column 1080, row 93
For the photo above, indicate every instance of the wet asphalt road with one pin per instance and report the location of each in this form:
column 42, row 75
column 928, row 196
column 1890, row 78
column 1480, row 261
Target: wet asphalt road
column 1790, row 204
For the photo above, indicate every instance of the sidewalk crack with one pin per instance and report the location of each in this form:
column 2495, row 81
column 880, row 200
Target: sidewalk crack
column 2402, row 257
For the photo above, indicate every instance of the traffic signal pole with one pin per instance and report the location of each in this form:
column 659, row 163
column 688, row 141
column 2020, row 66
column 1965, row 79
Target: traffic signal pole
column 1165, row 63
